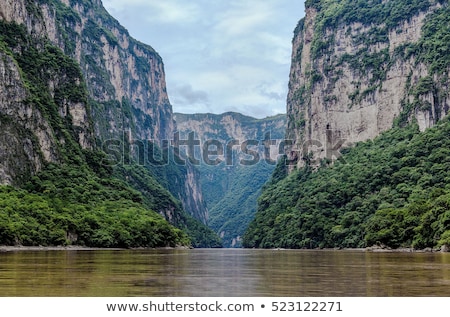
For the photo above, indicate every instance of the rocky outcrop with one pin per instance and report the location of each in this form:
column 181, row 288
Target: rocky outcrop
column 229, row 125
column 37, row 107
column 357, row 70
column 15, row 146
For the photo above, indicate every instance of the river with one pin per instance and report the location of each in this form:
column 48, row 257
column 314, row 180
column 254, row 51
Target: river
column 223, row 272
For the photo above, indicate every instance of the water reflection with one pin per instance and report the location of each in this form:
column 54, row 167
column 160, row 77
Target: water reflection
column 226, row 272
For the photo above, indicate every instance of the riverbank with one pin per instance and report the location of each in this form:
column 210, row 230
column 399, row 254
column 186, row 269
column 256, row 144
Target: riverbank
column 55, row 248
column 82, row 248
column 408, row 250
column 72, row 248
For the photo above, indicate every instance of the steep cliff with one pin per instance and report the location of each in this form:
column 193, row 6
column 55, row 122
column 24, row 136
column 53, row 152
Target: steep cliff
column 44, row 105
column 125, row 78
column 75, row 85
column 358, row 68
column 367, row 116
column 231, row 188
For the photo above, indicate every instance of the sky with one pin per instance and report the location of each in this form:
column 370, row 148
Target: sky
column 219, row 55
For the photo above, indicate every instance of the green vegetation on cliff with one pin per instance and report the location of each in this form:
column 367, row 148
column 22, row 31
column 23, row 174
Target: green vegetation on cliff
column 374, row 59
column 237, row 190
column 367, row 12
column 71, row 205
column 42, row 65
column 77, row 201
column 382, row 16
column 80, row 198
column 156, row 197
column 393, row 191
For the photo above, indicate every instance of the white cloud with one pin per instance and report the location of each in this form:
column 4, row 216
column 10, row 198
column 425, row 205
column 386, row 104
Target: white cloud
column 169, row 11
column 186, row 94
column 241, row 20
column 174, row 12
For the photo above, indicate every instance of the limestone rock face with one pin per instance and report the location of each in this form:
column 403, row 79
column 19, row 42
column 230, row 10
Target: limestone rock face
column 353, row 78
column 34, row 105
column 119, row 70
column 16, row 146
column 123, row 81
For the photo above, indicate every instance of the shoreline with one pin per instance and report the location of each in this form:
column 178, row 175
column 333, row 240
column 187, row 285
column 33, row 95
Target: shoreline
column 5, row 248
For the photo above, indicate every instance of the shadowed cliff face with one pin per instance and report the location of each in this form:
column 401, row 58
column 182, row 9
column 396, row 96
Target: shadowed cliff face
column 358, row 69
column 43, row 107
column 122, row 90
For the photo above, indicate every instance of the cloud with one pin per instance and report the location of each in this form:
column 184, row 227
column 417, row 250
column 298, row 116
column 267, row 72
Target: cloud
column 258, row 111
column 174, row 12
column 272, row 88
column 241, row 18
column 169, row 11
column 189, row 95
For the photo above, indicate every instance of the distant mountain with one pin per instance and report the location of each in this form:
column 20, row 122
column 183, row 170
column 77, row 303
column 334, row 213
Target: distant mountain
column 232, row 186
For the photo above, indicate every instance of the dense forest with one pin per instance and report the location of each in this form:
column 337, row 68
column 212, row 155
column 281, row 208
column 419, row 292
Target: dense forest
column 233, row 208
column 71, row 205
